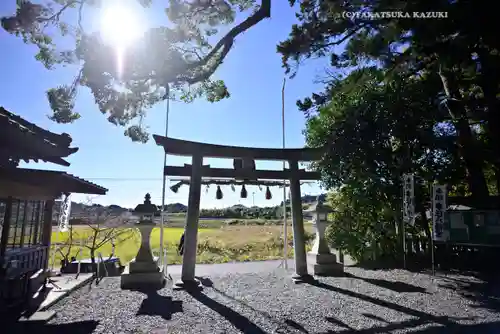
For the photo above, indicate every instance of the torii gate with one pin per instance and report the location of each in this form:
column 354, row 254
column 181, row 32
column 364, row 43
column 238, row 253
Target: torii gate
column 196, row 171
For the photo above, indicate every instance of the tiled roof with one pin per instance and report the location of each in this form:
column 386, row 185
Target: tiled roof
column 59, row 180
column 24, row 140
column 63, row 139
column 89, row 184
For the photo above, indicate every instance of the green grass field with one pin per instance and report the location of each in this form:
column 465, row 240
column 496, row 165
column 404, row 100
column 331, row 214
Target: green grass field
column 218, row 244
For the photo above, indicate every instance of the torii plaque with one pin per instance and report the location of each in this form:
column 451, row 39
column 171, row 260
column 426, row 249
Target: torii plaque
column 196, row 171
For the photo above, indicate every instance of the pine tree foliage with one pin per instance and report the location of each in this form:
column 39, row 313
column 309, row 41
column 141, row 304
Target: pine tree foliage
column 179, row 57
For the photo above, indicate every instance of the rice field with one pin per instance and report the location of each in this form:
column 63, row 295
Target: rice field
column 226, row 243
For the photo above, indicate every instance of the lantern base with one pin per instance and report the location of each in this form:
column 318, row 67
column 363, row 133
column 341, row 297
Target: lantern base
column 143, row 267
column 325, row 264
column 153, row 280
column 142, row 274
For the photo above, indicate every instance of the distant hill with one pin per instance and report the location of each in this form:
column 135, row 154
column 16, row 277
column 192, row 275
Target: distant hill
column 238, row 207
column 175, row 207
column 78, row 209
column 308, row 199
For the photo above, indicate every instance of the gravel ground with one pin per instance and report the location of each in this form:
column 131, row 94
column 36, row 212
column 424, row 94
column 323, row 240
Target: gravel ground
column 393, row 301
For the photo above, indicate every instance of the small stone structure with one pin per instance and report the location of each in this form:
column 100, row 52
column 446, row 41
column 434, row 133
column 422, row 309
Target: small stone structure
column 143, row 271
column 322, row 261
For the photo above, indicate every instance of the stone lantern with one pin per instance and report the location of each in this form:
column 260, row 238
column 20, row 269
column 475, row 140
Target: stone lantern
column 143, row 271
column 322, row 261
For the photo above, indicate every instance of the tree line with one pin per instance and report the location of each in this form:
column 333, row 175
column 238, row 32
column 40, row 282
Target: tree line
column 244, row 213
column 401, row 96
column 236, row 212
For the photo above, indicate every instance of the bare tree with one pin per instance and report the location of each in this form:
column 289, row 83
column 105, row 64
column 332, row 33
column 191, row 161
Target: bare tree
column 105, row 227
column 66, row 247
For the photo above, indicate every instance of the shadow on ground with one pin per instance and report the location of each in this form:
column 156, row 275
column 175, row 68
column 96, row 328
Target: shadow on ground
column 238, row 320
column 400, row 287
column 487, row 328
column 283, row 326
column 485, row 292
column 12, row 315
column 444, row 324
column 437, row 324
column 80, row 327
column 164, row 306
column 423, row 316
column 412, row 264
column 155, row 304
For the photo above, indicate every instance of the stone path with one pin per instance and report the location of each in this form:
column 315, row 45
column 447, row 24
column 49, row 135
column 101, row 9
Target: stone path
column 65, row 285
column 233, row 267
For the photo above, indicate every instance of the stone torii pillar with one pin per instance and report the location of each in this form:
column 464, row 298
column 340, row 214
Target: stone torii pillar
column 299, row 242
column 188, row 279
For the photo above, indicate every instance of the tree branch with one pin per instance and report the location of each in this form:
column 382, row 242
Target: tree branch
column 225, row 43
column 80, row 11
column 58, row 14
column 346, row 36
column 263, row 12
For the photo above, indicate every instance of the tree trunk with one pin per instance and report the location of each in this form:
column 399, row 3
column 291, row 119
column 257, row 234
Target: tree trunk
column 488, row 80
column 473, row 160
column 424, row 223
column 70, row 244
column 468, row 149
column 420, row 196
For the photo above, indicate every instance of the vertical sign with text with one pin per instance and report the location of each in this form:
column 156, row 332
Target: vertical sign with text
column 64, row 213
column 438, row 211
column 409, row 198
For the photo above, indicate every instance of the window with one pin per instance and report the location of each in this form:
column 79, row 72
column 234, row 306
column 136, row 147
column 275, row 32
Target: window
column 36, row 224
column 30, row 223
column 26, row 224
column 13, row 224
column 18, row 237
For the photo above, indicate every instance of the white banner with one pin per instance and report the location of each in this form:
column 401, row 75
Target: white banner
column 438, row 210
column 409, row 198
column 64, row 213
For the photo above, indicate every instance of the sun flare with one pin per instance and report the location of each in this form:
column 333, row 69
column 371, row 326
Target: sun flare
column 120, row 25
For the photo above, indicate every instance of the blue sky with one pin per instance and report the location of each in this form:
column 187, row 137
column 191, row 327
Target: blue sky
column 251, row 117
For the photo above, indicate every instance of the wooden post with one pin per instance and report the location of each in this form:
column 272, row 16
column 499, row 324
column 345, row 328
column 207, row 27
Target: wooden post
column 47, row 229
column 24, row 222
column 299, row 242
column 191, row 231
column 47, row 222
